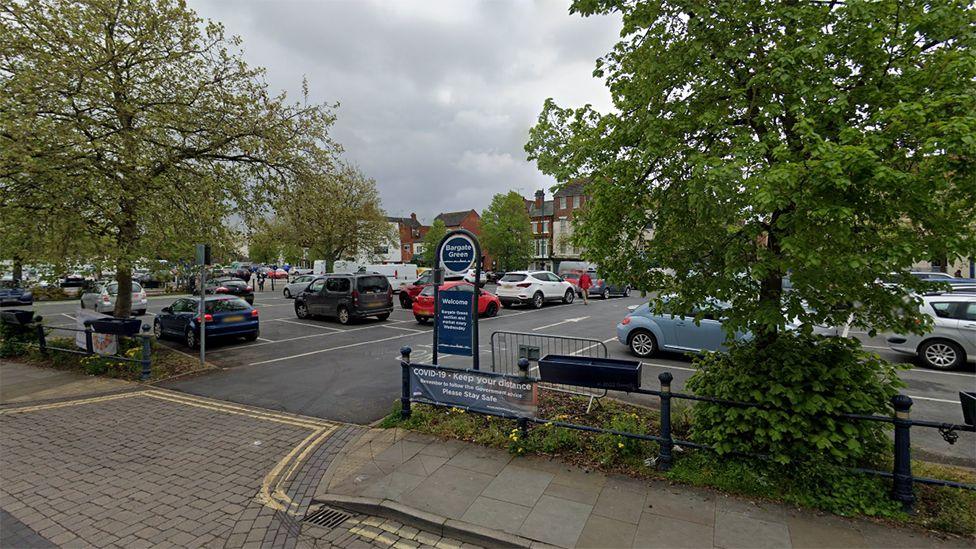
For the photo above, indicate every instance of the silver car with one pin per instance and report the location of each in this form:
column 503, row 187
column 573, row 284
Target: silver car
column 101, row 298
column 952, row 341
column 298, row 285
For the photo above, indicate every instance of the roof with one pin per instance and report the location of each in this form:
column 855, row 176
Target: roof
column 547, row 208
column 454, row 219
column 408, row 221
column 573, row 188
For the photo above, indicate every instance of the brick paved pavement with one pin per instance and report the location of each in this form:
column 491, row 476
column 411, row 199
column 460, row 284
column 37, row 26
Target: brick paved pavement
column 156, row 467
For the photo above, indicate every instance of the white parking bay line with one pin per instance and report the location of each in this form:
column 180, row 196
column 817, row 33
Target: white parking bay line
column 265, row 339
column 370, row 342
column 937, row 372
column 409, row 329
column 669, row 366
column 69, row 316
column 248, row 346
column 286, row 321
column 913, row 397
column 560, row 322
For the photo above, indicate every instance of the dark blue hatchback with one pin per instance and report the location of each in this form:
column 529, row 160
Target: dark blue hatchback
column 225, row 316
column 12, row 293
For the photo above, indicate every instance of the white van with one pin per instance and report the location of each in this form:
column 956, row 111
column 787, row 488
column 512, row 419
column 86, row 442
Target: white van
column 399, row 275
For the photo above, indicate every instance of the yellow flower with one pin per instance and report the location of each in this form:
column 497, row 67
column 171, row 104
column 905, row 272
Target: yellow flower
column 520, row 450
column 620, row 445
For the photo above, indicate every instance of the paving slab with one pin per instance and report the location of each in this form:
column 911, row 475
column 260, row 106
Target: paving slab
column 739, row 531
column 620, row 503
column 556, row 521
column 519, row 485
column 655, row 531
column 496, row 514
column 683, row 503
column 489, row 461
column 448, row 492
column 602, row 532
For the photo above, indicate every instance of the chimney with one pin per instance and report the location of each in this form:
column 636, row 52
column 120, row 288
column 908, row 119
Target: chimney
column 413, row 216
column 540, row 196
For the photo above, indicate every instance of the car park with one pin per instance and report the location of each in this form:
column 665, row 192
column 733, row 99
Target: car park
column 423, row 305
column 224, row 316
column 646, row 332
column 534, row 288
column 952, row 340
column 346, row 297
column 410, row 292
column 599, row 286
column 100, row 297
column 298, row 285
column 241, row 270
column 13, row 293
column 231, row 286
column 278, row 274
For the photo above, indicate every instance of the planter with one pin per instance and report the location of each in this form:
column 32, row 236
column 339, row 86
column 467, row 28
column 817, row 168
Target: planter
column 600, row 373
column 17, row 316
column 968, row 401
column 116, row 326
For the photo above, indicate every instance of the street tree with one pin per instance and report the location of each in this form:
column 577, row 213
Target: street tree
column 335, row 212
column 506, row 231
column 828, row 143
column 143, row 124
column 431, row 240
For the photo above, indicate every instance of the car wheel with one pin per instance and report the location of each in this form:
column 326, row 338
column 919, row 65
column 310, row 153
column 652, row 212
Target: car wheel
column 286, row 293
column 157, row 329
column 420, row 319
column 343, row 315
column 941, row 354
column 301, row 309
column 383, row 316
column 642, row 343
column 404, row 300
column 491, row 311
column 82, row 303
column 252, row 337
column 538, row 300
column 606, row 293
column 190, row 338
column 569, row 297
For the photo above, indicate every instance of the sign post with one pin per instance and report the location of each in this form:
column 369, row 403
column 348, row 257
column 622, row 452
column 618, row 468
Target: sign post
column 203, row 259
column 456, row 316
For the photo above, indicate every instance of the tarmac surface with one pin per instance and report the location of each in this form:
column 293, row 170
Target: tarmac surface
column 320, row 368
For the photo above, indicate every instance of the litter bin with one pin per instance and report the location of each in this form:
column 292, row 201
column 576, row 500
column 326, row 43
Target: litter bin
column 600, row 373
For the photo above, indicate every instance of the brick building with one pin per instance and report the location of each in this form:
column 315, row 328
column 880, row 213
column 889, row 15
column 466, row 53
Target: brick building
column 566, row 201
column 470, row 220
column 411, row 239
column 540, row 213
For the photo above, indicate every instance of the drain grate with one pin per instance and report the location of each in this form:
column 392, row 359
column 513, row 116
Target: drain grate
column 327, row 517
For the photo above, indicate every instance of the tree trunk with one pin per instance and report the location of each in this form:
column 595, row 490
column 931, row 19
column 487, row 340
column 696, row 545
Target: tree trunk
column 771, row 287
column 18, row 274
column 123, row 272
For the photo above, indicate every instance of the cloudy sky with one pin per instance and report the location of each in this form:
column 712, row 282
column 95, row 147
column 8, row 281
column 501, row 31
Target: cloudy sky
column 436, row 98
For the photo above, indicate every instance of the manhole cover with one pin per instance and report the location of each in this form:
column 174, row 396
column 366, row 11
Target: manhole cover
column 327, row 517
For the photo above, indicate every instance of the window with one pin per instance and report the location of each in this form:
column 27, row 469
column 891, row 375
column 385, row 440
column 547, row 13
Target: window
column 372, row 284
column 576, row 201
column 943, row 310
column 406, row 247
column 563, row 226
column 184, row 306
column 545, row 227
column 381, row 250
column 462, row 288
column 227, row 305
column 553, row 278
column 424, row 278
column 337, row 284
column 512, row 277
column 562, row 202
column 418, row 248
column 428, row 291
column 540, row 276
column 317, row 285
column 968, row 311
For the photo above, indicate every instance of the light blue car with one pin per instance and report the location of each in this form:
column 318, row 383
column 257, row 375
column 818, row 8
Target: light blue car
column 647, row 333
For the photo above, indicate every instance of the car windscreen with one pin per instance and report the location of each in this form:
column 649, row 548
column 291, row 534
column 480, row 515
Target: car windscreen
column 227, row 305
column 429, row 290
column 512, row 277
column 372, row 284
column 233, row 283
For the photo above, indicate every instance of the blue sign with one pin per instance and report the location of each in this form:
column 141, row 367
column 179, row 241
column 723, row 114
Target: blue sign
column 455, row 323
column 458, row 254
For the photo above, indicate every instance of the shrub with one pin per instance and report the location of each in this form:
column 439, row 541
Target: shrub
column 14, row 339
column 800, row 381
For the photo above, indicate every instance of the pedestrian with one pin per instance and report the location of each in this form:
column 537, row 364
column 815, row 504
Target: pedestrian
column 958, row 273
column 585, row 283
column 260, row 282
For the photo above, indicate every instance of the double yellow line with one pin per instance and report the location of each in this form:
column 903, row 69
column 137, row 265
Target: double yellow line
column 272, row 492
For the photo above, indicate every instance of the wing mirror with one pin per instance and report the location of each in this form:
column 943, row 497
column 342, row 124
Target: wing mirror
column 167, row 310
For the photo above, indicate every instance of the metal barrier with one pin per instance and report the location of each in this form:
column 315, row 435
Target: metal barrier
column 507, row 348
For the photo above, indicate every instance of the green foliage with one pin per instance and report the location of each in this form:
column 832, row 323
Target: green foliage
column 506, row 233
column 14, row 339
column 800, row 381
column 431, row 240
column 831, row 142
column 612, row 447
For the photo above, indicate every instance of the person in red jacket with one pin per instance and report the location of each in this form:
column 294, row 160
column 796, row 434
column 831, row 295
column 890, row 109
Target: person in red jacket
column 585, row 283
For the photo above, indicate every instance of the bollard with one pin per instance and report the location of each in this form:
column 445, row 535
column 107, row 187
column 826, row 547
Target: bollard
column 89, row 346
column 523, row 424
column 523, row 366
column 405, row 389
column 901, row 489
column 665, row 457
column 41, row 339
column 146, row 354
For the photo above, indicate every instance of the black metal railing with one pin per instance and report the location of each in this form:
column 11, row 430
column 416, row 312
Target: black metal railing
column 901, row 474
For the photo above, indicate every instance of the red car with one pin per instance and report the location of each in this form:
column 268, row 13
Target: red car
column 410, row 292
column 423, row 305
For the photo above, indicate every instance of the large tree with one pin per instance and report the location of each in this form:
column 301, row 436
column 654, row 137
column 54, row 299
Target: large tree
column 506, row 231
column 830, row 142
column 336, row 213
column 143, row 124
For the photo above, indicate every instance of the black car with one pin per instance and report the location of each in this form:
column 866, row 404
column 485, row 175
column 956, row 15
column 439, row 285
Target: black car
column 230, row 285
column 346, row 296
column 12, row 293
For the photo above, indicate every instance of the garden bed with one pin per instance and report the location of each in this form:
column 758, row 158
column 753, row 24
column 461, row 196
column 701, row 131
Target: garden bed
column 946, row 510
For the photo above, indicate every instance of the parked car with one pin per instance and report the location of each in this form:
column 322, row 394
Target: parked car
column 952, row 340
column 533, row 287
column 224, row 316
column 646, row 333
column 469, row 277
column 423, row 306
column 599, row 286
column 73, row 280
column 241, row 270
column 232, row 286
column 100, row 297
column 297, row 271
column 13, row 293
column 278, row 274
column 933, row 275
column 298, row 285
column 410, row 292
column 346, row 297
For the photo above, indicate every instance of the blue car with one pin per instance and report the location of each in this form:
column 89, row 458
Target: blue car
column 11, row 293
column 647, row 333
column 225, row 316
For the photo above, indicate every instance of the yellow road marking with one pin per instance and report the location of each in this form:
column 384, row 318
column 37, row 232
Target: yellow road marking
column 67, row 403
column 239, row 410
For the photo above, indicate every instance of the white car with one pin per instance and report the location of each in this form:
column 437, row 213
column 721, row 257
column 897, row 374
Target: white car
column 298, row 285
column 101, row 299
column 533, row 287
column 952, row 341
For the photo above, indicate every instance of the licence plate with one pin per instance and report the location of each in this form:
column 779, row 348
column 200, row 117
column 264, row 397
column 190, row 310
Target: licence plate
column 235, row 318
